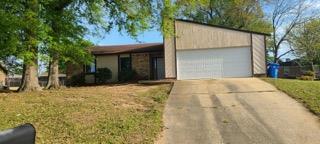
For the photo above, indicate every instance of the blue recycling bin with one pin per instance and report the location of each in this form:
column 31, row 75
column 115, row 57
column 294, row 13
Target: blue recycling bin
column 273, row 70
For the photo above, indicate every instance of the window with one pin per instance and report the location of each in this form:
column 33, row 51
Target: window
column 90, row 68
column 125, row 63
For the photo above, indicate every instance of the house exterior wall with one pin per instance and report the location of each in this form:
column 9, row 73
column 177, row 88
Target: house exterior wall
column 2, row 77
column 141, row 64
column 169, row 58
column 196, row 36
column 191, row 36
column 259, row 54
column 73, row 70
column 111, row 62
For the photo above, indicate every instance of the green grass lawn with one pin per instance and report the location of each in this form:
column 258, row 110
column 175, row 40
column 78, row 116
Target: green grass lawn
column 307, row 92
column 98, row 114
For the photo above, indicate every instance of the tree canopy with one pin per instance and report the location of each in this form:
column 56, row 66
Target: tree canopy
column 56, row 28
column 306, row 42
column 285, row 16
column 240, row 14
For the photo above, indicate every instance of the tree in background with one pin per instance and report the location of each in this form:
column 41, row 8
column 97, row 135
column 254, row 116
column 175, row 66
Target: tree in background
column 56, row 28
column 9, row 23
column 165, row 14
column 240, row 14
column 285, row 16
column 65, row 19
column 306, row 42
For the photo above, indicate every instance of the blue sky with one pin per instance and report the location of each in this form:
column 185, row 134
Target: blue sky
column 116, row 38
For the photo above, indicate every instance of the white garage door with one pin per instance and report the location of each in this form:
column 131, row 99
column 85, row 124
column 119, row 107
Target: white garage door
column 213, row 63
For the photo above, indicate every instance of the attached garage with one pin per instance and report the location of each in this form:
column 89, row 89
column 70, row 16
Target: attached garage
column 201, row 51
column 213, row 63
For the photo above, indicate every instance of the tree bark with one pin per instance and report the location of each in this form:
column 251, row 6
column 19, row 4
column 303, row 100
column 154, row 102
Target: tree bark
column 30, row 80
column 53, row 75
column 275, row 60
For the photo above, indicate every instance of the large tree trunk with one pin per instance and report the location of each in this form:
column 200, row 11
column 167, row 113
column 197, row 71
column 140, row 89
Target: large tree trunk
column 276, row 59
column 53, row 75
column 30, row 80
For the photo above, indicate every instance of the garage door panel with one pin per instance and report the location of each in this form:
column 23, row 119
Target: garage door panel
column 213, row 63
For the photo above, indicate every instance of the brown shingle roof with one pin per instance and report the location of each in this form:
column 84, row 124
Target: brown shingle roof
column 131, row 48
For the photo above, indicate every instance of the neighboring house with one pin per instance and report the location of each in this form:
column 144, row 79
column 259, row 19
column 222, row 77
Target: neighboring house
column 14, row 80
column 295, row 68
column 147, row 60
column 43, row 79
column 197, row 51
column 288, row 62
column 3, row 75
column 290, row 69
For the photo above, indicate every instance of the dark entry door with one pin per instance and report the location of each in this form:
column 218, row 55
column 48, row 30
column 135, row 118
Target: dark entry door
column 158, row 68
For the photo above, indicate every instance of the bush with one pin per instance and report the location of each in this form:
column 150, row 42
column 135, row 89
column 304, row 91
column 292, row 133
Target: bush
column 305, row 77
column 127, row 75
column 103, row 75
column 77, row 80
column 309, row 73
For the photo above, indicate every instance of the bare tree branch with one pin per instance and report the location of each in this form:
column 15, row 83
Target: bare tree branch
column 286, row 16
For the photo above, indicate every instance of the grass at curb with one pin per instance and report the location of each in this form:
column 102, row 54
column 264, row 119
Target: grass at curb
column 100, row 114
column 306, row 92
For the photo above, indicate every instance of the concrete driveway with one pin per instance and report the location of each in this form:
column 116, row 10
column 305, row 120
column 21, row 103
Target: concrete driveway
column 236, row 111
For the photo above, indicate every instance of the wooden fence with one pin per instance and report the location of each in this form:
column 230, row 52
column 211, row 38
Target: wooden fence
column 296, row 71
column 16, row 81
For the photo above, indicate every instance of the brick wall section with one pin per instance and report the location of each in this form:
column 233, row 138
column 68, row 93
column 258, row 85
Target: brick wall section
column 73, row 69
column 141, row 64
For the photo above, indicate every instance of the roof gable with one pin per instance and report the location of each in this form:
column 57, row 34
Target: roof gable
column 224, row 27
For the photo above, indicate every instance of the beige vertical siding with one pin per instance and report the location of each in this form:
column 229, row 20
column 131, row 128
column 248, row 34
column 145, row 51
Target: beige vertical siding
column 258, row 47
column 170, row 63
column 197, row 36
column 111, row 62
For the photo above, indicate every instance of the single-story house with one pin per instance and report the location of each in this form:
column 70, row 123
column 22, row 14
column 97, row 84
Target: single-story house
column 3, row 75
column 147, row 60
column 196, row 51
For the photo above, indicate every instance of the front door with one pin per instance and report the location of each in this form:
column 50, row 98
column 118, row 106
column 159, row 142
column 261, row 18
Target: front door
column 158, row 68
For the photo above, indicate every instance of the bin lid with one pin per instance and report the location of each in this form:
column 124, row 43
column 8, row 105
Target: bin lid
column 274, row 64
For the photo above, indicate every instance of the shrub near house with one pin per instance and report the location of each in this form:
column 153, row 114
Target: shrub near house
column 103, row 75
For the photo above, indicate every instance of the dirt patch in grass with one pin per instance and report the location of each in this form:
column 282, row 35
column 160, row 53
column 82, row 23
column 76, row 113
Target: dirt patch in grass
column 98, row 114
column 306, row 92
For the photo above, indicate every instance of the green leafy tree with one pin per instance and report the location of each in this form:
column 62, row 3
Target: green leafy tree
column 9, row 22
column 65, row 19
column 306, row 42
column 240, row 14
column 31, row 32
column 65, row 34
column 56, row 28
